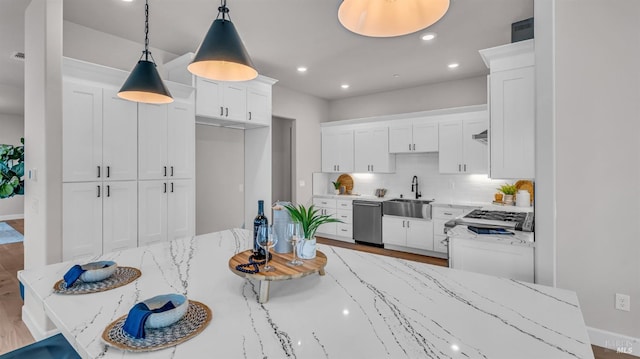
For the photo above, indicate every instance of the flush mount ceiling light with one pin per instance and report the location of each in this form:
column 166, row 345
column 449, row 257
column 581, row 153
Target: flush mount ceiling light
column 222, row 55
column 302, row 69
column 144, row 83
column 388, row 18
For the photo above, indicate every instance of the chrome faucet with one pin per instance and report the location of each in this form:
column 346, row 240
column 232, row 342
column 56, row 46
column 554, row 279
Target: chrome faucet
column 414, row 187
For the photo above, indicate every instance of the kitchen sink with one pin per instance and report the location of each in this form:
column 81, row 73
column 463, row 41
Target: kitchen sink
column 405, row 207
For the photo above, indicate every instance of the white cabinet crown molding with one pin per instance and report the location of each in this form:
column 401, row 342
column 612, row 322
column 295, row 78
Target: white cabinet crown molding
column 509, row 56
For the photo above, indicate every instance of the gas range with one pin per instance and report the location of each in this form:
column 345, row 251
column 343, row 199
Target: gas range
column 520, row 221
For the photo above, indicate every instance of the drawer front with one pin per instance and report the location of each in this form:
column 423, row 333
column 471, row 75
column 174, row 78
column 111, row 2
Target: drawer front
column 440, row 244
column 324, row 202
column 444, row 212
column 345, row 216
column 345, row 230
column 344, row 204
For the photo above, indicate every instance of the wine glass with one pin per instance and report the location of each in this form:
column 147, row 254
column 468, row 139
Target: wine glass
column 266, row 240
column 293, row 234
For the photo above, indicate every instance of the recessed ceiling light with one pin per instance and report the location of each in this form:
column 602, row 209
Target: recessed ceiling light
column 428, row 37
column 302, row 69
column 345, row 86
column 453, row 65
column 396, row 75
column 127, row 0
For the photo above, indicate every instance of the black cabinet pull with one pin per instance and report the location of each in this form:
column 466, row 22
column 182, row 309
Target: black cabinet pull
column 98, row 171
column 409, row 147
column 165, row 187
column 249, row 115
column 414, row 146
column 221, row 111
column 171, row 171
column 171, row 187
column 108, row 171
column 227, row 112
column 165, row 171
column 98, row 191
column 108, row 191
column 465, row 167
column 459, row 168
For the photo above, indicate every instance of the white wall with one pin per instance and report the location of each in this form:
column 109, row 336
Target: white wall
column 465, row 92
column 307, row 112
column 598, row 158
column 281, row 129
column 219, row 178
column 11, row 130
column 97, row 47
column 443, row 188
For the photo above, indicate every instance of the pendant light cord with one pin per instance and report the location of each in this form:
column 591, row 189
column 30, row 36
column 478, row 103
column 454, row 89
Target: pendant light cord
column 224, row 10
column 146, row 30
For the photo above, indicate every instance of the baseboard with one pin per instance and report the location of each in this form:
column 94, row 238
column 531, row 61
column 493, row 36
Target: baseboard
column 9, row 217
column 614, row 341
column 37, row 332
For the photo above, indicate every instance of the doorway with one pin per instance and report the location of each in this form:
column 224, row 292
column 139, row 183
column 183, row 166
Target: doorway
column 283, row 159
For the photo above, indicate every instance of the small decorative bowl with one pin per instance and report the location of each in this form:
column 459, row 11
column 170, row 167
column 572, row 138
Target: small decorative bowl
column 166, row 318
column 97, row 271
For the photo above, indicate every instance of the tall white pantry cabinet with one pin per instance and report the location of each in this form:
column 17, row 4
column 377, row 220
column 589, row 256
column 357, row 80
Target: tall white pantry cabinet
column 128, row 168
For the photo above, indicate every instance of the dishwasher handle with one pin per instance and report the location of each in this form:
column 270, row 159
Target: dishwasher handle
column 367, row 204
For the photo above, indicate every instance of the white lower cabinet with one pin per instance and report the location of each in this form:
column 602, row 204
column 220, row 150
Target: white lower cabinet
column 340, row 209
column 407, row 232
column 166, row 210
column 98, row 218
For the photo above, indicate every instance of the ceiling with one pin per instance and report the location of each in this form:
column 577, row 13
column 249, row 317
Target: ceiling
column 282, row 35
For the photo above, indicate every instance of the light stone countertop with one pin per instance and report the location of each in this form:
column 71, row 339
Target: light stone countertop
column 366, row 306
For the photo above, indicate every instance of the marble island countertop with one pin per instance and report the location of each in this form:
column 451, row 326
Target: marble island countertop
column 366, row 306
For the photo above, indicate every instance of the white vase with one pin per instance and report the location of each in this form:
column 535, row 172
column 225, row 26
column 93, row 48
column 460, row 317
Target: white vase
column 307, row 248
column 508, row 199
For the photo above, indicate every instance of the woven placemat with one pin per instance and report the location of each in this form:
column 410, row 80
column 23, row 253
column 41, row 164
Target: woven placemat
column 122, row 276
column 194, row 321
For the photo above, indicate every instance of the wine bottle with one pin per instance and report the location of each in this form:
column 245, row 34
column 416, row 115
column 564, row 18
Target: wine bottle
column 260, row 220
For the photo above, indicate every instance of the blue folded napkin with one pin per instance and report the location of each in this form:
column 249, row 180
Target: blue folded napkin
column 72, row 275
column 134, row 325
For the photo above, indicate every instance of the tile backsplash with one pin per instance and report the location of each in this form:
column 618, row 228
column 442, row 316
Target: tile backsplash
column 433, row 185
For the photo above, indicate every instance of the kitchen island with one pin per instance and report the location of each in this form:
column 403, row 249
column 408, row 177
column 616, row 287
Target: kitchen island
column 366, row 306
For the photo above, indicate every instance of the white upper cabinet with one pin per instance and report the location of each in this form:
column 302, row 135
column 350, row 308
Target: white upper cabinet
column 371, row 150
column 459, row 153
column 337, row 150
column 81, row 133
column 219, row 99
column 234, row 101
column 512, row 109
column 259, row 106
column 119, row 137
column 411, row 136
column 166, row 145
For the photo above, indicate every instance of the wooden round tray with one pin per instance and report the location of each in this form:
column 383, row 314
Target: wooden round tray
column 346, row 181
column 279, row 262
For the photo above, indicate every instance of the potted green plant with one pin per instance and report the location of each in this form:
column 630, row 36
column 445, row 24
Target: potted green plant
column 310, row 219
column 11, row 170
column 336, row 185
column 509, row 190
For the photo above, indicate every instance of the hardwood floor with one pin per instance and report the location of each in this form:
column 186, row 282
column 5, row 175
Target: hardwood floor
column 14, row 334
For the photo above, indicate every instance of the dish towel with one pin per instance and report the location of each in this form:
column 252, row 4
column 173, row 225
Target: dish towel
column 72, row 275
column 138, row 315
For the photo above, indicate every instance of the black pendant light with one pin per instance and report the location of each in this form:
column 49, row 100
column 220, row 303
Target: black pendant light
column 144, row 83
column 222, row 55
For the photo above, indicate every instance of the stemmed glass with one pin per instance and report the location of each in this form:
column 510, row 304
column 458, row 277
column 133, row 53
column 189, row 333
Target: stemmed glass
column 266, row 240
column 293, row 234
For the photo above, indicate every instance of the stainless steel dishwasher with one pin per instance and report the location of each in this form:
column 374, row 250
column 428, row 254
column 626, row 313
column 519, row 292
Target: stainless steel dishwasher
column 367, row 222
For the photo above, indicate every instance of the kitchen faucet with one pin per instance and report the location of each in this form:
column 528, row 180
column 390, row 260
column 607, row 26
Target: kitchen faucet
column 414, row 187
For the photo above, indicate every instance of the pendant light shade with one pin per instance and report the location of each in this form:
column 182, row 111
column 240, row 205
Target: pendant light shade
column 222, row 55
column 388, row 18
column 144, row 83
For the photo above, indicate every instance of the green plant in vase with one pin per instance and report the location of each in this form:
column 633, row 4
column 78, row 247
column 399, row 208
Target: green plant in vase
column 11, row 170
column 310, row 219
column 336, row 185
column 509, row 190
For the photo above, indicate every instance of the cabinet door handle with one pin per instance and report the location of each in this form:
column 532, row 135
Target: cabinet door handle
column 108, row 191
column 227, row 112
column 459, row 167
column 98, row 171
column 408, row 223
column 409, row 147
column 221, row 111
column 414, row 146
column 448, row 214
column 171, row 187
column 108, row 171
column 371, row 168
column 165, row 187
column 98, row 191
column 465, row 167
column 165, row 171
column 171, row 171
column 403, row 224
column 249, row 115
column 445, row 242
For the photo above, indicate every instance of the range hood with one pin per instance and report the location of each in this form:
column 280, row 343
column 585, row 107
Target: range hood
column 482, row 136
